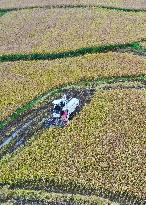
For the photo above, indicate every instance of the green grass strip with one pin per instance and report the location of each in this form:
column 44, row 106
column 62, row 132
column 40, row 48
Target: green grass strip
column 55, row 184
column 69, row 54
column 122, row 9
column 137, row 48
column 77, row 6
column 46, row 197
column 3, row 13
column 28, row 106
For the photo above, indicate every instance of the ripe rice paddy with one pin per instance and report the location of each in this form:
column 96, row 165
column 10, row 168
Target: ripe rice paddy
column 54, row 30
column 91, row 148
column 99, row 156
column 23, row 80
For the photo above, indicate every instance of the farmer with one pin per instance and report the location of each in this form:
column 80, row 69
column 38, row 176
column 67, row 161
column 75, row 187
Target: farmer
column 65, row 117
column 62, row 103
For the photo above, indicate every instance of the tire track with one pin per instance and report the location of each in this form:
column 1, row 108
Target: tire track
column 33, row 122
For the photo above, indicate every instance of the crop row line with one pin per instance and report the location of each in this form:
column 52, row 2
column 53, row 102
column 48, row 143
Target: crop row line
column 73, row 187
column 41, row 197
column 135, row 46
column 75, row 6
column 28, row 106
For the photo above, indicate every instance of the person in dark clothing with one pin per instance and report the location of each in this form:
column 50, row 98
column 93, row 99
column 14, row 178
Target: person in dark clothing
column 62, row 104
column 57, row 108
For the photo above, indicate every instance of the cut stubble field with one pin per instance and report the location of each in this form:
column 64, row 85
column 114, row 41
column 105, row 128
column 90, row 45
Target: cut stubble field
column 54, row 30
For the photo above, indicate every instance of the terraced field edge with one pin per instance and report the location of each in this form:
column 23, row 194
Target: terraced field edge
column 43, row 96
column 42, row 197
column 76, row 6
column 73, row 188
column 134, row 46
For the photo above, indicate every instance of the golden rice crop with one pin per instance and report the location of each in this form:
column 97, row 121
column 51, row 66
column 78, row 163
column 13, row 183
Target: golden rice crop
column 59, row 30
column 103, row 145
column 115, row 3
column 22, row 81
column 144, row 44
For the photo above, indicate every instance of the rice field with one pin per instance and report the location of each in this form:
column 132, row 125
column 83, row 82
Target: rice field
column 143, row 44
column 23, row 80
column 54, row 30
column 103, row 145
column 140, row 4
column 99, row 157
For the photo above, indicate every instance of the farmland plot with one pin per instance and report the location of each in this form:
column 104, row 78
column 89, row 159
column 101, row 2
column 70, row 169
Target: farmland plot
column 22, row 81
column 54, row 30
column 103, row 145
column 113, row 3
column 143, row 44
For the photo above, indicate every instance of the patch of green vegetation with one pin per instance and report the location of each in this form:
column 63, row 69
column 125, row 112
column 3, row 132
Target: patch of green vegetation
column 77, row 6
column 139, row 49
column 137, row 46
column 3, row 13
column 69, row 54
column 7, row 203
column 122, row 9
column 46, row 197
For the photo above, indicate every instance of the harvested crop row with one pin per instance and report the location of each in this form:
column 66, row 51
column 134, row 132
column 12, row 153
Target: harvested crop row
column 22, row 81
column 113, row 3
column 103, row 145
column 60, row 30
column 41, row 197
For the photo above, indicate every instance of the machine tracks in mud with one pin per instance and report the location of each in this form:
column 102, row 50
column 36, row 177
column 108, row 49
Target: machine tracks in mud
column 31, row 123
column 22, row 129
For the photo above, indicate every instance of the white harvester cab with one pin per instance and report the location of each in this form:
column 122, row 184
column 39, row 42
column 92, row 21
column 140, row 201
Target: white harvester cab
column 64, row 105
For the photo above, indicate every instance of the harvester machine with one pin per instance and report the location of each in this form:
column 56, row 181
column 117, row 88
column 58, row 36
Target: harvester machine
column 62, row 110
